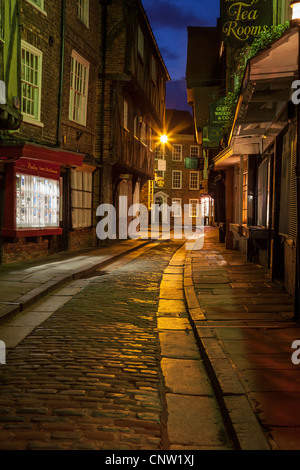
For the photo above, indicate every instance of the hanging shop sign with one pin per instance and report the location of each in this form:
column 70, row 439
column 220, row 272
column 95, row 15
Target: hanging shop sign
column 218, row 113
column 211, row 137
column 160, row 182
column 243, row 20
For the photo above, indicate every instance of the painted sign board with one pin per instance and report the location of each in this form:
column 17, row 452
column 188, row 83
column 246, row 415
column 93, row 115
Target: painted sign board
column 243, row 20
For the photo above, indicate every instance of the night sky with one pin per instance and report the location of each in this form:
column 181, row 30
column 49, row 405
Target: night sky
column 169, row 20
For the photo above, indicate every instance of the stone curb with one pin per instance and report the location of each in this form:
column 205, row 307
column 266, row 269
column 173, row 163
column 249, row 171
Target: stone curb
column 27, row 300
column 240, row 418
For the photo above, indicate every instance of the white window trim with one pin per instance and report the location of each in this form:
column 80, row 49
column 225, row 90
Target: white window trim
column 86, row 64
column 177, row 171
column 142, row 44
column 87, row 24
column 27, row 117
column 177, row 160
column 198, row 180
column 41, row 10
column 191, row 207
column 150, row 139
column 174, row 201
column 194, row 146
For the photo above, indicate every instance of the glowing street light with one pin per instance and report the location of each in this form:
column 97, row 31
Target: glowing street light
column 295, row 6
column 164, row 139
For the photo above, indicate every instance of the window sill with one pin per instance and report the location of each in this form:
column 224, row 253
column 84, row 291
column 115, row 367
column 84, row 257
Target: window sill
column 33, row 122
column 82, row 126
column 37, row 7
column 31, row 232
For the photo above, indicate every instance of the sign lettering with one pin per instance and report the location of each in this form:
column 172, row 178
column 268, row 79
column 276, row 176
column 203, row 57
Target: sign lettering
column 243, row 20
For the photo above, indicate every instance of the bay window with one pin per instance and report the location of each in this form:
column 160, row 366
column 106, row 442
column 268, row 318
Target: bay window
column 37, row 201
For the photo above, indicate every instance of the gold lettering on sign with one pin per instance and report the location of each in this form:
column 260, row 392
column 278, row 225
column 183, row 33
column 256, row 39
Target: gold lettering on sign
column 241, row 11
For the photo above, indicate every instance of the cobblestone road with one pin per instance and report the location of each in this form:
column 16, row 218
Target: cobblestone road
column 89, row 377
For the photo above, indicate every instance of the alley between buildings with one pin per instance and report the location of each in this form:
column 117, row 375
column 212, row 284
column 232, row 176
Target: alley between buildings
column 162, row 349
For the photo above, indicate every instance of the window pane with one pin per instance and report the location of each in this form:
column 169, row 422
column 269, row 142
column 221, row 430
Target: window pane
column 37, row 202
column 78, row 91
column 30, row 83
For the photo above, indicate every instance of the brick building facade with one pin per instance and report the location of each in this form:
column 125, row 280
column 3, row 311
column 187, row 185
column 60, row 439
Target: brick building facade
column 182, row 182
column 132, row 89
column 92, row 97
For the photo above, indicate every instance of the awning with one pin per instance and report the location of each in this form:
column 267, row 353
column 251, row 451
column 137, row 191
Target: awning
column 267, row 87
column 15, row 151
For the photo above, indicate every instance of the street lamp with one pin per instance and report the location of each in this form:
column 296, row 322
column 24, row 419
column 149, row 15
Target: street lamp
column 164, row 139
column 295, row 21
column 295, row 6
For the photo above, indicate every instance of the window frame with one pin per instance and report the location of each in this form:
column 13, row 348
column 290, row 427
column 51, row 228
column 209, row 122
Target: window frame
column 175, row 157
column 174, row 200
column 84, row 17
column 35, row 201
column 84, row 63
column 191, row 208
column 125, row 114
column 141, row 43
column 143, row 133
column 173, row 174
column 190, row 180
column 198, row 151
column 29, row 118
column 79, row 195
column 153, row 70
column 39, row 8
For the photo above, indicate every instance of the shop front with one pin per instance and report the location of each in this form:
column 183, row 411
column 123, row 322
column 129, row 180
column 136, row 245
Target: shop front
column 33, row 200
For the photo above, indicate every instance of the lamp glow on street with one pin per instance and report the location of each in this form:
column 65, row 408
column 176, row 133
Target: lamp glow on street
column 295, row 6
column 164, row 139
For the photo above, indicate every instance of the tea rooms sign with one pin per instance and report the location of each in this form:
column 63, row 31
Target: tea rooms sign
column 243, row 20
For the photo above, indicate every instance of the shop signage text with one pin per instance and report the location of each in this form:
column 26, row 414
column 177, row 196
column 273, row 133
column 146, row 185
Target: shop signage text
column 39, row 168
column 243, row 20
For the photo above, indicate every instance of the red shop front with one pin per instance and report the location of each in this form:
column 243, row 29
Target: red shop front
column 33, row 191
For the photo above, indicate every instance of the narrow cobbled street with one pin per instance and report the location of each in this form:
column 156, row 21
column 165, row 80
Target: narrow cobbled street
column 90, row 376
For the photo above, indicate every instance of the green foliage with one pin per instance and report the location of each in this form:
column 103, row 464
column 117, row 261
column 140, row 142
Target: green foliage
column 261, row 42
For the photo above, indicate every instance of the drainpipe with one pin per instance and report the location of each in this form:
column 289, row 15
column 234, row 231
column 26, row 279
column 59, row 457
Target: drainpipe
column 297, row 171
column 104, row 4
column 62, row 55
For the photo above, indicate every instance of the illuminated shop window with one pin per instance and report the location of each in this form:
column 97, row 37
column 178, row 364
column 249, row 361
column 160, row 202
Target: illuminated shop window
column 125, row 114
column 37, row 202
